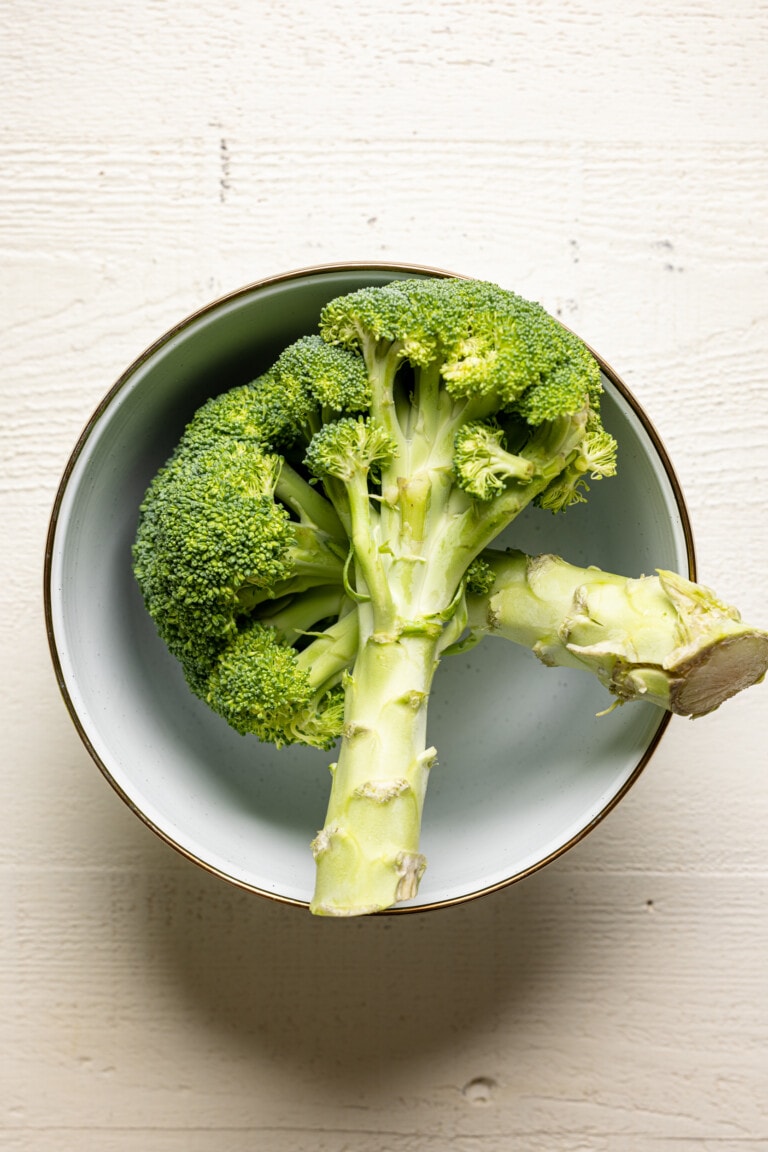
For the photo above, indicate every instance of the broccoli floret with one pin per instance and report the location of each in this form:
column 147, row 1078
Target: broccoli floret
column 348, row 448
column 227, row 530
column 259, row 686
column 317, row 542
column 595, row 458
column 322, row 378
column 480, row 577
column 310, row 383
column 210, row 536
column 481, row 462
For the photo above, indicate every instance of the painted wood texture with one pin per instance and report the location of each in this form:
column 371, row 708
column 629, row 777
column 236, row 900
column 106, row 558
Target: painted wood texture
column 608, row 160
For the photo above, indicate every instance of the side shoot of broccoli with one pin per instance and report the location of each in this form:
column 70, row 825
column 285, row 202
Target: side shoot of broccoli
column 659, row 638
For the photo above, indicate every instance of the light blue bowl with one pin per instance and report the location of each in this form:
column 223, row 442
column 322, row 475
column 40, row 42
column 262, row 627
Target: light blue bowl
column 525, row 768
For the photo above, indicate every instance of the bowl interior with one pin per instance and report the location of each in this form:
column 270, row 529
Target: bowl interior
column 524, row 765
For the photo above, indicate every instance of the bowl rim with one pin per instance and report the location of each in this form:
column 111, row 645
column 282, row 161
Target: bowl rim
column 374, row 266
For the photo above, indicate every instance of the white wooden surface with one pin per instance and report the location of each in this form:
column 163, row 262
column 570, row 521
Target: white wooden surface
column 608, row 159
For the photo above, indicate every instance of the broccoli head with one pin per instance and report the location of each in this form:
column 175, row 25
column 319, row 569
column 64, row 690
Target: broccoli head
column 319, row 539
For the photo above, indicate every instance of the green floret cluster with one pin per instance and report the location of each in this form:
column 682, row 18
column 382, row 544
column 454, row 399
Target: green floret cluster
column 259, row 686
column 482, row 339
column 229, row 533
column 211, row 535
column 308, row 551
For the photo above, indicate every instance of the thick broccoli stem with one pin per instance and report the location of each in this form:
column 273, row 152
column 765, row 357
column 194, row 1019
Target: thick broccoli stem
column 367, row 855
column 410, row 556
column 367, row 852
column 657, row 638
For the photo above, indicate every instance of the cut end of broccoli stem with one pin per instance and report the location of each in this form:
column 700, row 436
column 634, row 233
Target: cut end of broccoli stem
column 719, row 672
column 692, row 681
column 661, row 639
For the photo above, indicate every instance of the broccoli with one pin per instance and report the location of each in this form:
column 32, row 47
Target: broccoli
column 318, row 541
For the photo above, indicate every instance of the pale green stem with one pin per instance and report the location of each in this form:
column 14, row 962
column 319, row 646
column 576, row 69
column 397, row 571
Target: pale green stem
column 368, row 559
column 382, row 362
column 292, row 618
column 658, row 638
column 328, row 656
column 427, row 414
column 459, row 539
column 367, row 853
column 315, row 554
column 307, row 503
column 462, row 538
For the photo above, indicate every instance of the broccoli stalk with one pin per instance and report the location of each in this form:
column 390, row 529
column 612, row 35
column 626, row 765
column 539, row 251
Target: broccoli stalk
column 657, row 638
column 367, row 852
column 418, row 517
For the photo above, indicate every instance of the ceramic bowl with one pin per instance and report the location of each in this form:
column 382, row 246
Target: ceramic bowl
column 525, row 767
